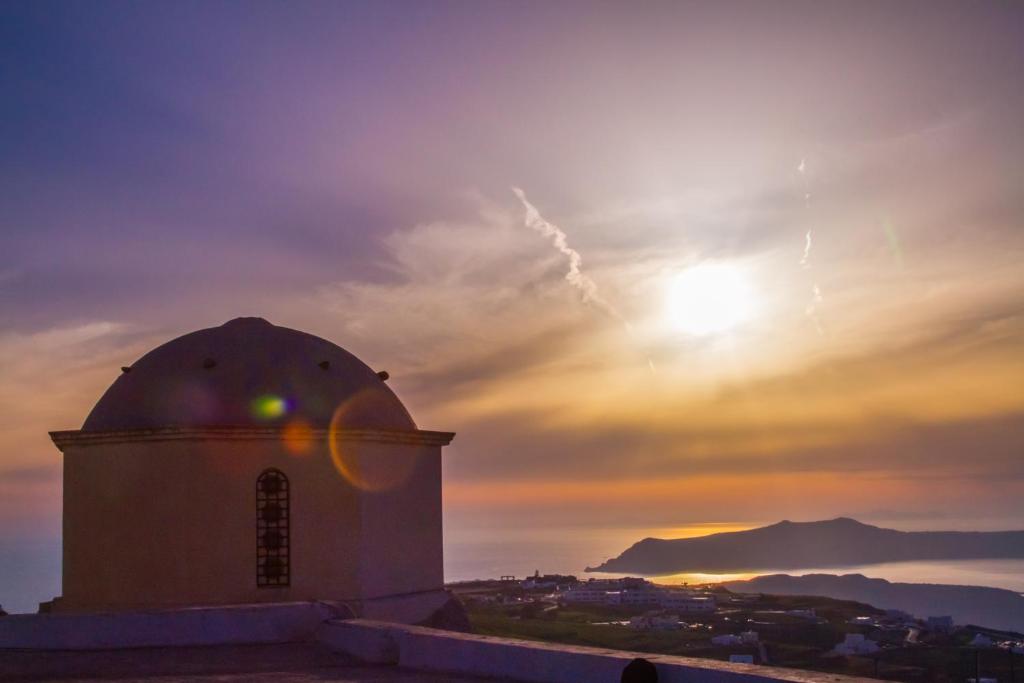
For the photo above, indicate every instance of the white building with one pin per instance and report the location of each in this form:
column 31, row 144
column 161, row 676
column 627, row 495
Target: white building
column 981, row 640
column 249, row 463
column 646, row 595
column 548, row 581
column 655, row 622
column 856, row 644
column 726, row 640
column 586, row 595
column 638, row 593
column 689, row 604
column 940, row 624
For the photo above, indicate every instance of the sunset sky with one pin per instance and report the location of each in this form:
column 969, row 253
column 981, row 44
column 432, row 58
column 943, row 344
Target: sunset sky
column 765, row 260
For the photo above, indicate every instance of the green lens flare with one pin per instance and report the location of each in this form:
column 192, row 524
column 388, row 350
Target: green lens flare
column 268, row 407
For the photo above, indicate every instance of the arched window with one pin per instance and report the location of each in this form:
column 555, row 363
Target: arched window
column 273, row 537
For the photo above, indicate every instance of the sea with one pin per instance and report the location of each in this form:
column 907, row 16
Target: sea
column 475, row 555
column 30, row 568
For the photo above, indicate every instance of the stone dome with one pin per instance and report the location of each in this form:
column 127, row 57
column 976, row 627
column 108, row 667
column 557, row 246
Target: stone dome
column 248, row 372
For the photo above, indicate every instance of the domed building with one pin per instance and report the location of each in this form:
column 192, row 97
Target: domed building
column 250, row 463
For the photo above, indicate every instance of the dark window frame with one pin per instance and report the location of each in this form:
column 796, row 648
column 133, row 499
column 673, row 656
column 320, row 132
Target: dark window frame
column 273, row 529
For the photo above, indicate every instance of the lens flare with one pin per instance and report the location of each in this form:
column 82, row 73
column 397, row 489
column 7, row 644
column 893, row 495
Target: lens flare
column 367, row 466
column 297, row 437
column 268, row 407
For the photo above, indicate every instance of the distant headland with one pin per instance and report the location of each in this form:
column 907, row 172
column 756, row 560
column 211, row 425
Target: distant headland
column 993, row 607
column 840, row 542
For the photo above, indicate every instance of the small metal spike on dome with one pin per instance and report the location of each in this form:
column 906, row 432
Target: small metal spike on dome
column 324, row 364
column 384, row 376
column 209, row 363
column 126, row 369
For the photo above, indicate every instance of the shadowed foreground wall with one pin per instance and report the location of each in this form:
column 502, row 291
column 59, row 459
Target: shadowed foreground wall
column 38, row 637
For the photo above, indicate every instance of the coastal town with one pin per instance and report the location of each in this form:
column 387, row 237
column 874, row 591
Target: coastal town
column 710, row 621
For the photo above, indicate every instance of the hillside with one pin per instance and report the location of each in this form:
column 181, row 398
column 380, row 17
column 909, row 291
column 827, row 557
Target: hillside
column 795, row 545
column 991, row 607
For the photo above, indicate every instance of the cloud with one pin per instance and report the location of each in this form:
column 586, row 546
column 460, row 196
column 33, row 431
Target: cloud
column 49, row 380
column 483, row 337
column 380, row 218
column 33, row 474
column 466, row 303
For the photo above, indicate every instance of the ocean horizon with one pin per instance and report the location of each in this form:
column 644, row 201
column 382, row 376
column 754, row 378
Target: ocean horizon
column 570, row 551
column 30, row 569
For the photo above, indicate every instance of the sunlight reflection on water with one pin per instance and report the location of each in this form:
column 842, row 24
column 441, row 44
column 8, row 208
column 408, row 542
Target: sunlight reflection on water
column 569, row 551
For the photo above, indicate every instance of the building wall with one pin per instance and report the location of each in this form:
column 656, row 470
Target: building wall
column 401, row 548
column 171, row 523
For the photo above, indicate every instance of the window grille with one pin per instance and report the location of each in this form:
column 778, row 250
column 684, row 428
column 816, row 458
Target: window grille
column 273, row 533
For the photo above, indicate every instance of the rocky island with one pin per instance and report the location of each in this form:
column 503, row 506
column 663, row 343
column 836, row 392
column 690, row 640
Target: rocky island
column 838, row 542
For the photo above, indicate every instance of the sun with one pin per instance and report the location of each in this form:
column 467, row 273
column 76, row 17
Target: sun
column 709, row 298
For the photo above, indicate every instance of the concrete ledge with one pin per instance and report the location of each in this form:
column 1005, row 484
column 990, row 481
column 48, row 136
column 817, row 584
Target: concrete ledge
column 221, row 625
column 426, row 649
column 371, row 645
column 77, row 437
column 410, row 608
column 375, row 642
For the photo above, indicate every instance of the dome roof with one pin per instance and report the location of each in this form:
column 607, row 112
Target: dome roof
column 248, row 372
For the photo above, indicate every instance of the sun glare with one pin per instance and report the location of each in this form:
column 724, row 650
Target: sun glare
column 709, row 299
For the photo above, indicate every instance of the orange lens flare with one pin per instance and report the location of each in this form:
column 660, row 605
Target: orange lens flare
column 297, row 437
column 366, row 465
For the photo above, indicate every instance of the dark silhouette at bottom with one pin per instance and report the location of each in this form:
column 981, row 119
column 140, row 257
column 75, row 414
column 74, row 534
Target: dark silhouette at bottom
column 639, row 671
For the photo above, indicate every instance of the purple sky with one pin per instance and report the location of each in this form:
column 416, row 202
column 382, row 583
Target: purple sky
column 347, row 169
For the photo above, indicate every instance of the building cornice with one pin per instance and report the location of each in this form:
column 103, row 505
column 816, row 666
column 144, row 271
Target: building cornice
column 421, row 437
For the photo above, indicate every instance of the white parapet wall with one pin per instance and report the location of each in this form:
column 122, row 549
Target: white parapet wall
column 377, row 642
column 221, row 625
column 278, row 622
column 427, row 649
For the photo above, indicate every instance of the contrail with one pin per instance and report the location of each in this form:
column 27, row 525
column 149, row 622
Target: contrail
column 805, row 260
column 811, row 310
column 575, row 276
